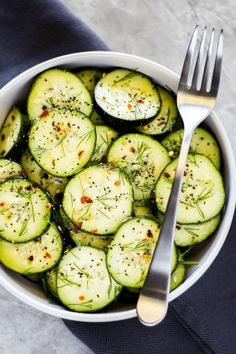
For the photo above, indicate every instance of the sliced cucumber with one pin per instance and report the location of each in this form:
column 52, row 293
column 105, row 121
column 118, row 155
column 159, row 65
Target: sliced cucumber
column 53, row 185
column 51, row 279
column 63, row 142
column 142, row 208
column 143, row 158
column 35, row 278
column 9, row 169
column 57, row 89
column 177, row 277
column 166, row 118
column 83, row 282
column 98, row 199
column 202, row 142
column 105, row 136
column 81, row 238
column 34, row 256
column 24, row 210
column 127, row 95
column 202, row 196
column 192, row 234
column 95, row 117
column 130, row 252
column 67, row 223
column 90, row 77
column 12, row 131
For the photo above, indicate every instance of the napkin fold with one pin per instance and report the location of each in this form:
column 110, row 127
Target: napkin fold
column 202, row 320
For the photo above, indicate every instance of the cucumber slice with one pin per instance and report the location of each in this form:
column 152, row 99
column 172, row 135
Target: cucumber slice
column 51, row 280
column 90, row 77
column 98, row 199
column 83, row 282
column 142, row 208
column 127, row 95
column 166, row 118
column 95, row 117
column 63, row 142
column 34, row 256
column 105, row 136
column 143, row 158
column 10, row 169
column 67, row 223
column 12, row 131
column 81, row 238
column 53, row 185
column 34, row 278
column 57, row 89
column 202, row 142
column 192, row 234
column 130, row 253
column 202, row 196
column 24, row 210
column 177, row 277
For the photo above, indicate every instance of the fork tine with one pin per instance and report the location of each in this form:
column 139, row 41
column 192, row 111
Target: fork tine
column 188, row 58
column 197, row 70
column 217, row 67
column 207, row 67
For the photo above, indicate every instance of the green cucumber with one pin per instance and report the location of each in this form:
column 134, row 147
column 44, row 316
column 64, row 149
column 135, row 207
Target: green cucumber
column 62, row 142
column 143, row 158
column 202, row 195
column 83, row 281
column 34, row 256
column 166, row 118
column 57, row 89
column 203, row 142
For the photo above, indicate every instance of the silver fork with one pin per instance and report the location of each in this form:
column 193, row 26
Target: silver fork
column 196, row 96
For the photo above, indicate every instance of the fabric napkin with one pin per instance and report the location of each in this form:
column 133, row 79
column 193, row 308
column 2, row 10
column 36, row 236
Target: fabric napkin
column 203, row 320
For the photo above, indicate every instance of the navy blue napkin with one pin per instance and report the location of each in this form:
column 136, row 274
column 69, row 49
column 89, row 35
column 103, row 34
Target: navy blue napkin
column 203, row 320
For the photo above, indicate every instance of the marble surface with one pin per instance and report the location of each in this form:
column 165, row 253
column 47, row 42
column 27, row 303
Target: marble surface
column 158, row 30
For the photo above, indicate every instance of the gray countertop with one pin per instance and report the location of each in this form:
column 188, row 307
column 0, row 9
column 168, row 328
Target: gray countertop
column 158, row 30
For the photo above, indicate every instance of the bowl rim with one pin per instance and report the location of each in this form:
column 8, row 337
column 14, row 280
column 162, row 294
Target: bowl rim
column 197, row 273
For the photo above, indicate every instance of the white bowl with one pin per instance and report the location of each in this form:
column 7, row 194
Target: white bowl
column 16, row 90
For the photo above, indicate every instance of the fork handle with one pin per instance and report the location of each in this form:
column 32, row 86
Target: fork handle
column 153, row 300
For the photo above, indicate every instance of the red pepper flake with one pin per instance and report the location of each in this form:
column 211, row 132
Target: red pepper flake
column 85, row 200
column 145, row 127
column 80, row 153
column 28, row 188
column 166, row 174
column 161, row 123
column 140, row 101
column 82, row 297
column 48, row 206
column 75, row 229
column 117, row 183
column 78, row 224
column 23, row 173
column 20, row 189
column 124, row 157
column 132, row 149
column 35, row 185
column 149, row 234
column 2, row 204
column 185, row 173
column 94, row 231
column 44, row 113
column 48, row 255
column 30, row 258
column 129, row 105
